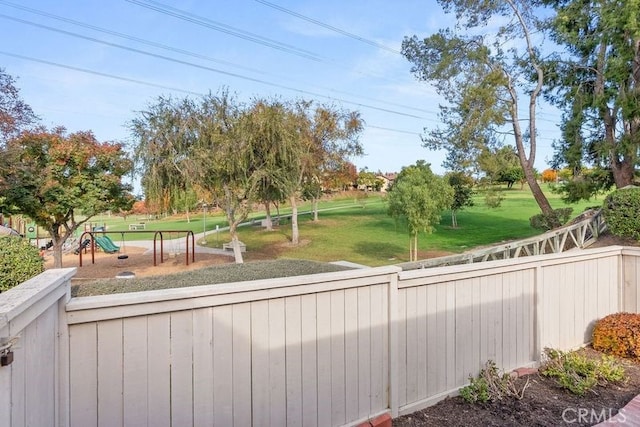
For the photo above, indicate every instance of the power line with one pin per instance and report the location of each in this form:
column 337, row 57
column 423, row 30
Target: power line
column 261, row 81
column 171, row 88
column 98, row 73
column 125, row 36
column 392, row 130
column 329, row 27
column 227, row 29
column 187, row 52
column 206, row 22
column 84, row 70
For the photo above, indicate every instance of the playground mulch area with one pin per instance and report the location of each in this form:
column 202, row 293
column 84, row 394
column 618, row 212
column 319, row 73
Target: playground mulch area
column 108, row 265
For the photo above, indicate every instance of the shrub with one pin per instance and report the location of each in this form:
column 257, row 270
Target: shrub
column 545, row 222
column 493, row 198
column 620, row 210
column 490, row 385
column 618, row 334
column 19, row 261
column 578, row 373
column 549, row 175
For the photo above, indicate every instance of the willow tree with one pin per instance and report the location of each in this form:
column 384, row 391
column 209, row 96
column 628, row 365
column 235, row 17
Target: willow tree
column 597, row 83
column 164, row 135
column 274, row 145
column 328, row 137
column 485, row 72
column 417, row 199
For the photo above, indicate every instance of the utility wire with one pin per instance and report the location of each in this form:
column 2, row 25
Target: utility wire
column 156, row 85
column 191, row 53
column 203, row 21
column 317, row 95
column 392, row 130
column 99, row 73
column 125, row 36
column 227, row 29
column 328, row 27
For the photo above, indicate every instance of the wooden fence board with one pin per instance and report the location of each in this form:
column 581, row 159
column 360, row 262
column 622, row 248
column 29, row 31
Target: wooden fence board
column 337, row 341
column 309, row 362
column 159, row 369
column 364, row 352
column 222, row 354
column 277, row 362
column 242, row 337
column 83, row 359
column 182, row 368
column 351, row 353
column 260, row 362
column 293, row 336
column 110, row 373
column 204, row 345
column 135, row 371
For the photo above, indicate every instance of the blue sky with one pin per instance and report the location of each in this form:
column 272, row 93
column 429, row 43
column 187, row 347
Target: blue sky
column 170, row 47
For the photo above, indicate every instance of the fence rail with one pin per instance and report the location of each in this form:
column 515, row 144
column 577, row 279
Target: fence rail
column 578, row 235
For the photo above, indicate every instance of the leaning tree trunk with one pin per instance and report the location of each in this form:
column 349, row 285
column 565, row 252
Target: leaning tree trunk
column 295, row 233
column 540, row 198
column 526, row 164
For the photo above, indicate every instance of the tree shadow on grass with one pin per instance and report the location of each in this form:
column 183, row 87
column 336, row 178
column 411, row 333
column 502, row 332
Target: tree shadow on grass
column 378, row 250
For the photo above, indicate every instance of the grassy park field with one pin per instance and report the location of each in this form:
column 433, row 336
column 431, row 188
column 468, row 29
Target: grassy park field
column 358, row 229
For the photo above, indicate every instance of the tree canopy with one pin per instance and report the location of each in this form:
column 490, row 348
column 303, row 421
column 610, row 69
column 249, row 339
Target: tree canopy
column 501, row 165
column 417, row 199
column 596, row 81
column 462, row 186
column 240, row 154
column 52, row 177
column 487, row 80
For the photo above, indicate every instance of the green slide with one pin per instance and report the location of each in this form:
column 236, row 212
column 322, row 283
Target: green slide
column 106, row 244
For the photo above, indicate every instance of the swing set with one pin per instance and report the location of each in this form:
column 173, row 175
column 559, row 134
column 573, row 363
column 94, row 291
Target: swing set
column 100, row 238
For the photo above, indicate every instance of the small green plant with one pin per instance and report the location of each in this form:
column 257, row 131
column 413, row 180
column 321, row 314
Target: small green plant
column 477, row 391
column 578, row 373
column 490, row 385
column 493, row 198
column 19, row 261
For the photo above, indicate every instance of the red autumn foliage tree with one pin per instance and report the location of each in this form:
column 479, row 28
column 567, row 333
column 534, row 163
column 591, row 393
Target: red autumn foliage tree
column 52, row 176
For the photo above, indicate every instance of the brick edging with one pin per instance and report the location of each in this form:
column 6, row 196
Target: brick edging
column 383, row 420
column 627, row 416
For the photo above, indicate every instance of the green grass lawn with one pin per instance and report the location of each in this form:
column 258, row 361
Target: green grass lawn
column 359, row 229
column 362, row 232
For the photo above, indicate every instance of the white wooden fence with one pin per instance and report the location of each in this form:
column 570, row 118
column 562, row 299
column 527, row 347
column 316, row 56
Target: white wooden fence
column 451, row 320
column 329, row 349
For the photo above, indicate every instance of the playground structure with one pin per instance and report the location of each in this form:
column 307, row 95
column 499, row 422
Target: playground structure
column 101, row 239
